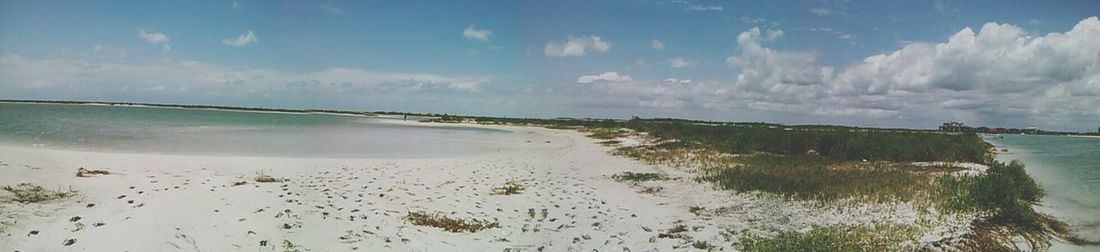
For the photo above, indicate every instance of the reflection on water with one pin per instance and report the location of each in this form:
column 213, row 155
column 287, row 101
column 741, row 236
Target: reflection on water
column 217, row 132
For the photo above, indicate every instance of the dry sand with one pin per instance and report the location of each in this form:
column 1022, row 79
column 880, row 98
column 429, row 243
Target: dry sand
column 154, row 202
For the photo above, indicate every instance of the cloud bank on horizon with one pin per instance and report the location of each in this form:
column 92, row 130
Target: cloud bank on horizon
column 1033, row 67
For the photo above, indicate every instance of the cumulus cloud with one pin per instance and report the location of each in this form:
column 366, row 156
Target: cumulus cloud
column 607, row 76
column 998, row 74
column 245, row 38
column 472, row 32
column 576, row 46
column 656, row 44
column 680, row 62
column 152, row 37
column 155, row 38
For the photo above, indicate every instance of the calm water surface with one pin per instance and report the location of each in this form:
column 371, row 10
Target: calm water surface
column 1068, row 168
column 220, row 132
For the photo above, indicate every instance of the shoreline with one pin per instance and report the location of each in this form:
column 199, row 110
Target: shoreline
column 1046, row 205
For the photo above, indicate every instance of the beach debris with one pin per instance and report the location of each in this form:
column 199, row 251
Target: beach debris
column 88, row 173
column 33, row 232
column 74, row 219
column 240, row 183
column 439, row 220
column 638, row 177
column 509, row 188
column 264, row 178
column 31, row 193
column 69, row 242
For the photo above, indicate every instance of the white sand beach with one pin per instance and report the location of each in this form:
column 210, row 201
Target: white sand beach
column 156, row 202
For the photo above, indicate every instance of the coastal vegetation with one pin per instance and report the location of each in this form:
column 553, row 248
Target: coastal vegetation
column 32, row 193
column 455, row 225
column 832, row 163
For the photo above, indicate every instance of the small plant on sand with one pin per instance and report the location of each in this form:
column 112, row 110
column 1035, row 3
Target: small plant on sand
column 31, row 193
column 88, row 173
column 239, row 183
column 509, row 188
column 638, row 177
column 421, row 218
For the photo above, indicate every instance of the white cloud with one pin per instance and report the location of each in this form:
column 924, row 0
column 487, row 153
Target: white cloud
column 821, row 11
column 997, row 74
column 680, row 62
column 576, row 46
column 607, row 76
column 844, row 36
column 656, row 44
column 236, row 4
column 194, row 80
column 335, row 11
column 152, row 37
column 675, row 80
column 472, row 32
column 245, row 38
column 704, row 8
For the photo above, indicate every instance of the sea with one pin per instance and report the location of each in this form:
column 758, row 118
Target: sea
column 1068, row 169
column 186, row 131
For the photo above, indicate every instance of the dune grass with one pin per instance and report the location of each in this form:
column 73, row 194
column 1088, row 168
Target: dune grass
column 812, row 177
column 875, row 237
column 439, row 220
column 31, row 193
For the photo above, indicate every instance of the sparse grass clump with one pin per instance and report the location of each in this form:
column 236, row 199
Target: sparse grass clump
column 509, row 188
column 638, row 177
column 449, row 224
column 877, row 237
column 31, row 193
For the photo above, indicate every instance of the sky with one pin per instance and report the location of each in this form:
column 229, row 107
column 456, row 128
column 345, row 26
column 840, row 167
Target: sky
column 913, row 64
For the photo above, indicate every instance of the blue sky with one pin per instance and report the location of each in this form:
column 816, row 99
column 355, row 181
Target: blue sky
column 871, row 63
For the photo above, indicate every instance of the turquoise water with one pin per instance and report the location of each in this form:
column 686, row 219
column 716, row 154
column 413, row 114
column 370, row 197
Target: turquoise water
column 220, row 132
column 1068, row 168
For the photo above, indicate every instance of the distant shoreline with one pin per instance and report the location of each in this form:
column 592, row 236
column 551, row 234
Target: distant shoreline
column 192, row 106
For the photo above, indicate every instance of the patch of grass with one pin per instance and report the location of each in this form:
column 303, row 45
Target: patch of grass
column 876, row 237
column 31, row 193
column 676, row 232
column 812, row 177
column 449, row 224
column 88, row 173
column 605, row 133
column 509, row 188
column 638, row 177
